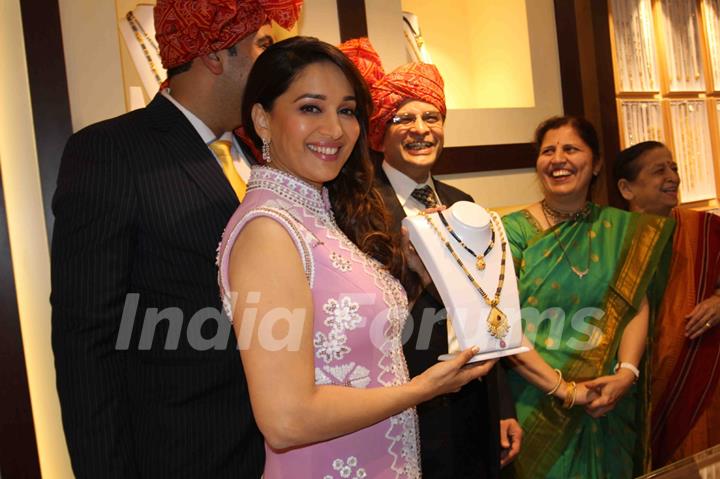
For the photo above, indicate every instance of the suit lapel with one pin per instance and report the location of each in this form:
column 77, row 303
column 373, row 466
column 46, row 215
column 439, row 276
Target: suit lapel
column 182, row 142
column 442, row 193
column 397, row 213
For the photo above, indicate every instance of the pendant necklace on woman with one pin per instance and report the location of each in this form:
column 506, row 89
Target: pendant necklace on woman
column 497, row 322
column 479, row 258
column 560, row 216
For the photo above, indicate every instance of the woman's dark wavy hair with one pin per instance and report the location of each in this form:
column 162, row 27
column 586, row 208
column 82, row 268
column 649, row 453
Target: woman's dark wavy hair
column 358, row 206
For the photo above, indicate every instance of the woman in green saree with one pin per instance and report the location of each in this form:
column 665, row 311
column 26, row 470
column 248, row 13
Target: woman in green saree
column 583, row 271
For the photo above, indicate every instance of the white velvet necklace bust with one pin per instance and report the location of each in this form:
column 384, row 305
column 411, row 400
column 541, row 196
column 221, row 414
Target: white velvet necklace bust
column 466, row 309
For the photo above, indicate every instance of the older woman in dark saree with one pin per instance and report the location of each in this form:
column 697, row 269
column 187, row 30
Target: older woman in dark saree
column 686, row 294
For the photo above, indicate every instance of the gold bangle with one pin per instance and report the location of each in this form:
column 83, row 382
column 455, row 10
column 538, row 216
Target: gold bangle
column 559, row 382
column 570, row 391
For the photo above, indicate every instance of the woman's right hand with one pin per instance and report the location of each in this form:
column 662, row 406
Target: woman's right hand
column 449, row 376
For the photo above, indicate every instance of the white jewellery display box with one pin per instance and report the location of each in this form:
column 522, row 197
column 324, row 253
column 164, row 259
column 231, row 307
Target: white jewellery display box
column 466, row 253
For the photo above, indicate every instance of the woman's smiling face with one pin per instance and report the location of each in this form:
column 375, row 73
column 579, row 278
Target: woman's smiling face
column 655, row 189
column 565, row 164
column 312, row 126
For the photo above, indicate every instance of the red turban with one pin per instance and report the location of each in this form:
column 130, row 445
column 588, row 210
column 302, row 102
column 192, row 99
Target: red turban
column 365, row 58
column 186, row 29
column 414, row 81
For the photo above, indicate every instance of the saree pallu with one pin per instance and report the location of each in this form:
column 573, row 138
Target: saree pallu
column 685, row 394
column 575, row 324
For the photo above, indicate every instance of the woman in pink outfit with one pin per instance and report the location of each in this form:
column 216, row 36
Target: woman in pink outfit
column 308, row 271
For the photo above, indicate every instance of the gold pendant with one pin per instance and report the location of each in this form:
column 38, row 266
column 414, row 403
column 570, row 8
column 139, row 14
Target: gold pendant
column 480, row 263
column 579, row 273
column 497, row 323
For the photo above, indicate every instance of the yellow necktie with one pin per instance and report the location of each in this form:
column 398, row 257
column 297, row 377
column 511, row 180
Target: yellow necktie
column 221, row 148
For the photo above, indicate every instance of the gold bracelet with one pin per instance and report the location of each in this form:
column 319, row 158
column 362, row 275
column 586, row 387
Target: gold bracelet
column 559, row 382
column 570, row 391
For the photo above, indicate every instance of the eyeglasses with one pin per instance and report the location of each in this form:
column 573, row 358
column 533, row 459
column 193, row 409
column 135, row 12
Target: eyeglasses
column 406, row 120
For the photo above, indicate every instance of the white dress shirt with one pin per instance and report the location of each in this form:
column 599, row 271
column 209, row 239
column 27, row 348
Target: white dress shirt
column 404, row 186
column 242, row 165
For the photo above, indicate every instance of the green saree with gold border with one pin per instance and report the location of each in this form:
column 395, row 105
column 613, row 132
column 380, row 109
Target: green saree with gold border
column 575, row 322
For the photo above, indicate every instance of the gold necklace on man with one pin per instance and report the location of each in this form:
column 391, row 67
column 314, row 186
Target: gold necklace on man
column 497, row 323
column 561, row 216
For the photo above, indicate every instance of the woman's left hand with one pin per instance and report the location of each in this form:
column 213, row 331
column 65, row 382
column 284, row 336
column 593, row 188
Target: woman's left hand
column 611, row 389
column 705, row 316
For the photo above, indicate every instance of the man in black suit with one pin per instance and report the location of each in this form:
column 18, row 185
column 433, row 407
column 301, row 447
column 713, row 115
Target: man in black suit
column 472, row 433
column 148, row 374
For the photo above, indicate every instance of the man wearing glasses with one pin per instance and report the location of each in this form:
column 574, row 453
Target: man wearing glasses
column 458, row 432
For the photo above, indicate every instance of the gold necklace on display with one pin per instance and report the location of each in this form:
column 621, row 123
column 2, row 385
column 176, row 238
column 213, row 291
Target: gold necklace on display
column 133, row 19
column 581, row 214
column 479, row 258
column 136, row 28
column 497, row 322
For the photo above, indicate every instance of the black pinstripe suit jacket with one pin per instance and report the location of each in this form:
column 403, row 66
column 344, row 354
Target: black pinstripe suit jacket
column 140, row 207
column 459, row 433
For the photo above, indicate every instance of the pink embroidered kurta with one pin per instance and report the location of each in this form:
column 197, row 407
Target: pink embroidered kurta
column 359, row 312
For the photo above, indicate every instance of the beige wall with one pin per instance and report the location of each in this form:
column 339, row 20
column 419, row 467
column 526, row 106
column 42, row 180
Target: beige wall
column 482, row 49
column 92, row 60
column 488, row 126
column 28, row 240
column 498, row 189
column 384, row 19
column 100, row 71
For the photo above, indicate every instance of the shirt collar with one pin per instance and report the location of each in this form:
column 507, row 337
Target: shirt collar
column 203, row 130
column 403, row 184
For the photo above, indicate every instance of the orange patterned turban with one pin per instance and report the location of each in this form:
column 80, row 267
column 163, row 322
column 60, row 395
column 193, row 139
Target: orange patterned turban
column 186, row 29
column 414, row 81
column 365, row 58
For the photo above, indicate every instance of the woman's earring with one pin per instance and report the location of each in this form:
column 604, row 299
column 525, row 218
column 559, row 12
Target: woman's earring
column 266, row 151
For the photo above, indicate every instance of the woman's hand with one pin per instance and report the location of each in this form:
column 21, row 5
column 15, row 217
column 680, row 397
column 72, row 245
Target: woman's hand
column 449, row 376
column 584, row 395
column 705, row 316
column 610, row 389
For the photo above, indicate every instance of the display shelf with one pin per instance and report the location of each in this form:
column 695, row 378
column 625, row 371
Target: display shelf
column 641, row 121
column 693, row 149
column 711, row 20
column 683, row 45
column 666, row 59
column 634, row 46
